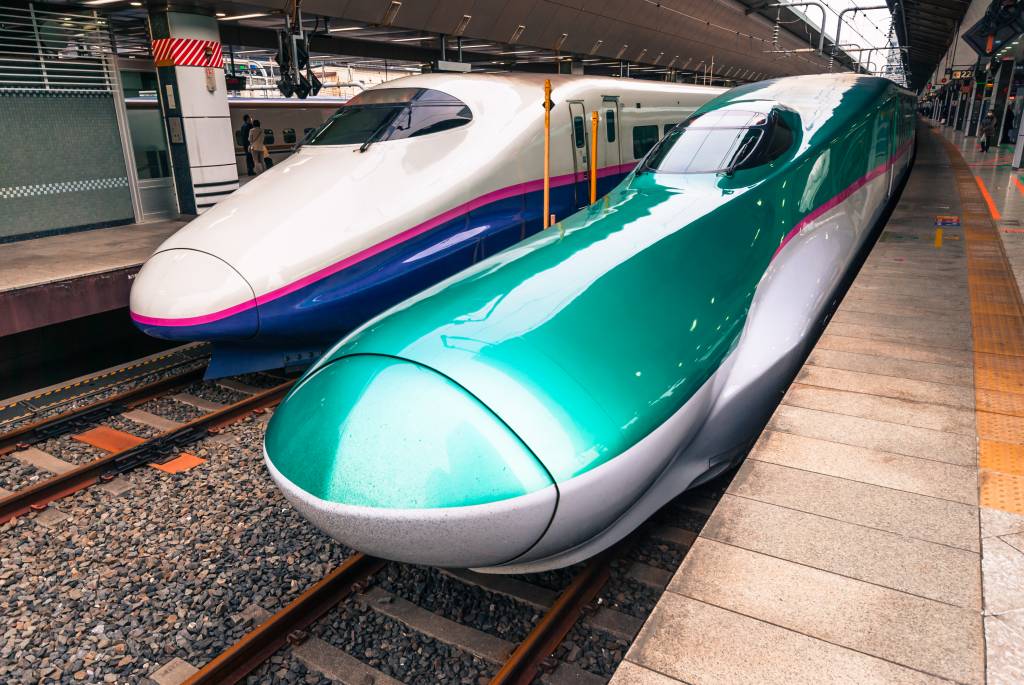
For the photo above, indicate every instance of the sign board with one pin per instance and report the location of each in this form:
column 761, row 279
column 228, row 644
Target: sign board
column 234, row 83
column 962, row 73
column 947, row 220
column 444, row 65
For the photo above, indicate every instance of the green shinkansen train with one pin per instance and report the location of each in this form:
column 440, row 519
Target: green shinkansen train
column 534, row 409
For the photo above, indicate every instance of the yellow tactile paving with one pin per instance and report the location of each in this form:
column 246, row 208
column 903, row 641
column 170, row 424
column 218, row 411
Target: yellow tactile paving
column 995, row 401
column 997, row 323
column 1000, row 456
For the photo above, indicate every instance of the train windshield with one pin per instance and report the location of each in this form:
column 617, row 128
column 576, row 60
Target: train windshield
column 392, row 114
column 720, row 141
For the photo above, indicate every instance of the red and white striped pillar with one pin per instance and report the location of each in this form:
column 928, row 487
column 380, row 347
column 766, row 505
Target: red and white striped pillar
column 193, row 99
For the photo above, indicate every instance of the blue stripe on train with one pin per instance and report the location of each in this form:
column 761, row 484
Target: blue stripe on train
column 314, row 317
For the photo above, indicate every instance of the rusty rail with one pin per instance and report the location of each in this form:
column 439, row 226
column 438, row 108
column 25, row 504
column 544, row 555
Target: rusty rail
column 259, row 644
column 42, row 493
column 529, row 657
column 95, row 411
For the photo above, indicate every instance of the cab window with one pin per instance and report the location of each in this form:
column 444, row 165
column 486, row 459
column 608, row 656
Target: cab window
column 721, row 141
column 392, row 114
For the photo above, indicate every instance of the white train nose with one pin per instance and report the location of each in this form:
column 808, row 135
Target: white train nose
column 183, row 294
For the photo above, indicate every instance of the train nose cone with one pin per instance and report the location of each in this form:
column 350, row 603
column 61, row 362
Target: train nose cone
column 396, row 460
column 183, row 294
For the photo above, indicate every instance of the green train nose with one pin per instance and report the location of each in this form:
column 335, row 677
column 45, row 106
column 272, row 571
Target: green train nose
column 395, row 459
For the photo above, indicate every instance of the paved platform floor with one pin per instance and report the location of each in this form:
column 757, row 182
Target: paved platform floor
column 59, row 278
column 57, row 258
column 861, row 541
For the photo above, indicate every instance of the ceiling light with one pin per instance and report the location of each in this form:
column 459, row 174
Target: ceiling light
column 410, row 40
column 517, row 33
column 596, row 46
column 463, row 23
column 517, row 52
column 135, row 4
column 391, row 13
column 344, row 28
column 100, row 2
column 472, row 47
column 252, row 15
column 222, row 14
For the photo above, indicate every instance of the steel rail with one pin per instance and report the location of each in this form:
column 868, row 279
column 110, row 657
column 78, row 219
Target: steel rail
column 530, row 656
column 159, row 447
column 259, row 644
column 59, row 423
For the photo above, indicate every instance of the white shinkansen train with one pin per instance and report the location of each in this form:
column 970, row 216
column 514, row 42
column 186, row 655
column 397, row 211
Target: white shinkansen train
column 405, row 185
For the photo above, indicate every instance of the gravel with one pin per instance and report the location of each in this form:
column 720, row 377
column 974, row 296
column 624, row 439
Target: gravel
column 70, row 450
column 259, row 380
column 469, row 605
column 285, row 668
column 629, row 596
column 657, row 553
column 128, row 426
column 209, row 390
column 592, row 650
column 14, row 474
column 556, row 580
column 172, row 409
column 395, row 650
column 127, row 583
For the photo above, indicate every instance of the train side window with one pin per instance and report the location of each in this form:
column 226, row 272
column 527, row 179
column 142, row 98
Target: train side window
column 577, row 131
column 644, row 138
column 268, row 136
column 609, row 118
column 288, row 134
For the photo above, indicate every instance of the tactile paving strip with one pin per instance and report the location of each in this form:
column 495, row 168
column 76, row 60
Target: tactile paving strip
column 997, row 322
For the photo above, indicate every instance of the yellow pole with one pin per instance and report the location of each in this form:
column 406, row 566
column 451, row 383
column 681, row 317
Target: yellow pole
column 593, row 157
column 547, row 152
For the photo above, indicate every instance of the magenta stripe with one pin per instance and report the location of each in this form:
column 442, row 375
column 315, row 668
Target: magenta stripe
column 843, row 195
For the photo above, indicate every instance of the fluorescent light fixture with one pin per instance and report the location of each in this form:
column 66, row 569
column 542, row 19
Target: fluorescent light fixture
column 222, row 14
column 345, row 28
column 391, row 13
column 135, row 4
column 472, row 47
column 251, row 15
column 463, row 23
column 517, row 52
column 101, row 2
column 411, row 40
column 517, row 33
column 596, row 46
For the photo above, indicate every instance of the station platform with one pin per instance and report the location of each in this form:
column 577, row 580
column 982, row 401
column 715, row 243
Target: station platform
column 59, row 278
column 875, row 532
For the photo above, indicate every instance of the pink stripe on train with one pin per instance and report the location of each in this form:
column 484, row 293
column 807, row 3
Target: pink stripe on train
column 397, row 239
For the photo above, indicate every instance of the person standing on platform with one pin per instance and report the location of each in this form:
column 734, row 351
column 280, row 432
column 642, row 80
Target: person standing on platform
column 246, row 128
column 257, row 148
column 987, row 132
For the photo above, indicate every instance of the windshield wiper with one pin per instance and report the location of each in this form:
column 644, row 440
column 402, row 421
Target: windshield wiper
column 378, row 132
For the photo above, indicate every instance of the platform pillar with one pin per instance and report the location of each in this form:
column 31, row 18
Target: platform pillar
column 194, row 103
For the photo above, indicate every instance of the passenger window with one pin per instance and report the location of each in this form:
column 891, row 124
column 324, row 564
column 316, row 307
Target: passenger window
column 577, row 131
column 610, row 119
column 268, row 136
column 644, row 138
column 288, row 134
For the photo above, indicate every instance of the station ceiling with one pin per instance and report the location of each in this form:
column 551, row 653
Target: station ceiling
column 654, row 36
column 926, row 28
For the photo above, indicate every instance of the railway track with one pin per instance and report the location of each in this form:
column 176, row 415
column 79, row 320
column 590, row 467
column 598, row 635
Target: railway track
column 162, row 440
column 562, row 609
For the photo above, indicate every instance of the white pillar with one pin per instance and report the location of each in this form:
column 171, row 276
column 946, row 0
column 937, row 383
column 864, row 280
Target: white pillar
column 193, row 98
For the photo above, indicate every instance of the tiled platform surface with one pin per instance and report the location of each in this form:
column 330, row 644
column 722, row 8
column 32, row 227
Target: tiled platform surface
column 54, row 279
column 851, row 547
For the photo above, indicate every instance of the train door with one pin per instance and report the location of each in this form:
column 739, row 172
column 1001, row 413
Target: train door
column 610, row 156
column 579, row 153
